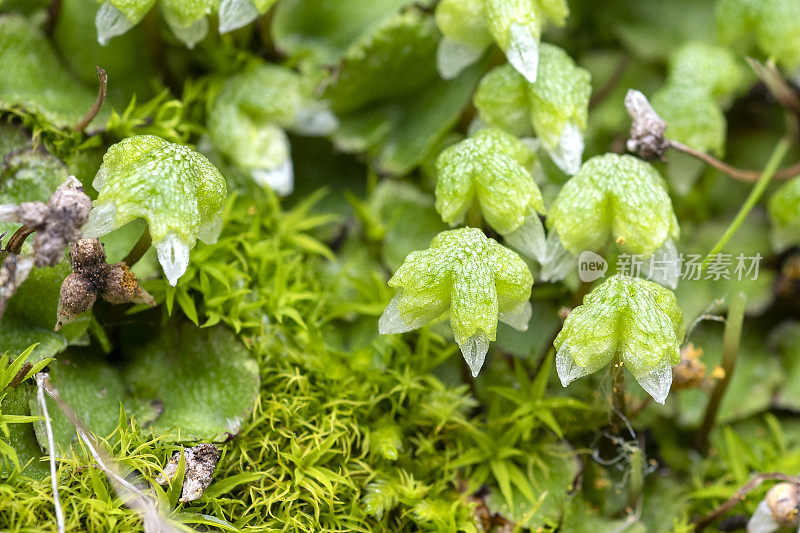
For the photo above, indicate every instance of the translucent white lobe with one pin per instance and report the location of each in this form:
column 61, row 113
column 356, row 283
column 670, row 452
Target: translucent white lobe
column 558, row 261
column 392, row 321
column 102, row 220
column 315, row 121
column 657, row 382
column 518, row 317
column 523, row 51
column 453, row 57
column 568, row 154
column 8, row 213
column 110, row 22
column 189, row 35
column 173, row 254
column 474, row 351
column 663, row 266
column 566, row 367
column 235, row 14
column 280, row 178
column 529, row 238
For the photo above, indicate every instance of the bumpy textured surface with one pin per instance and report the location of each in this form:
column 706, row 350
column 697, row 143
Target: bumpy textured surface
column 175, row 189
column 33, row 77
column 477, row 278
column 784, row 212
column 614, row 196
column 637, row 320
column 707, row 66
column 463, row 21
column 772, row 25
column 559, row 96
column 503, row 101
column 516, row 26
column 489, row 168
column 693, row 117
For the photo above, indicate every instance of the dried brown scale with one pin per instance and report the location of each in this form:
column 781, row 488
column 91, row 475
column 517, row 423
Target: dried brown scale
column 92, row 277
column 691, row 371
column 67, row 210
column 784, row 502
column 13, row 271
column 199, row 462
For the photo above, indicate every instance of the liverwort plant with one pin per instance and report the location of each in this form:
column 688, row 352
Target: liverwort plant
column 478, row 279
column 488, row 171
column 249, row 115
column 616, row 198
column 469, row 26
column 555, row 106
column 188, row 19
column 175, row 189
column 635, row 322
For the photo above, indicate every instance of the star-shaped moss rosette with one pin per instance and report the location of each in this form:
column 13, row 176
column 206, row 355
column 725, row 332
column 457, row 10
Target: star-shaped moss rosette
column 784, row 213
column 631, row 319
column 488, row 171
column 617, row 198
column 555, row 106
column 470, row 26
column 249, row 115
column 479, row 280
column 771, row 26
column 175, row 189
column 186, row 18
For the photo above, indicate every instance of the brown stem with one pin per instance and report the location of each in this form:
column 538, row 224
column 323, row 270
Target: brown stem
column 776, row 84
column 98, row 103
column 53, row 11
column 139, row 249
column 749, row 176
column 14, row 244
column 739, row 496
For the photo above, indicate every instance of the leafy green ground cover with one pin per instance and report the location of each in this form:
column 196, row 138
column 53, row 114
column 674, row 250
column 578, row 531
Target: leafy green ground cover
column 332, row 140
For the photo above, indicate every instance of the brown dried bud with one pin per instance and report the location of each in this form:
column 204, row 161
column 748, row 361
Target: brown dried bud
column 647, row 129
column 200, row 462
column 691, row 371
column 92, row 277
column 77, row 296
column 783, row 501
column 121, row 286
column 86, row 255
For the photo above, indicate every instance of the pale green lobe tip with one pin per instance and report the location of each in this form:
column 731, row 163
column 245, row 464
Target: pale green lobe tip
column 488, row 168
column 630, row 318
column 479, row 280
column 560, row 106
column 613, row 197
column 175, row 189
column 784, row 213
column 464, row 35
column 235, row 14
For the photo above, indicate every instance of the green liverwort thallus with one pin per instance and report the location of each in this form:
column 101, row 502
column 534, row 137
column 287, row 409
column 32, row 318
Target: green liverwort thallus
column 616, row 198
column 489, row 170
column 633, row 319
column 175, row 189
column 479, row 280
